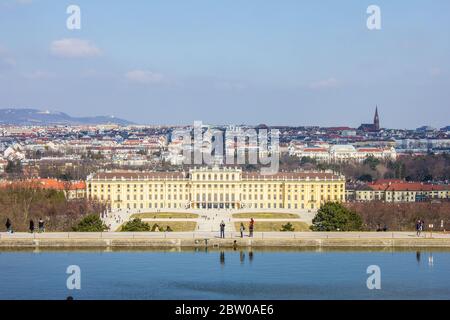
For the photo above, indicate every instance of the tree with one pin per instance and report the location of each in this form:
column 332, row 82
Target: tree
column 14, row 169
column 366, row 178
column 90, row 223
column 333, row 216
column 288, row 227
column 372, row 162
column 135, row 225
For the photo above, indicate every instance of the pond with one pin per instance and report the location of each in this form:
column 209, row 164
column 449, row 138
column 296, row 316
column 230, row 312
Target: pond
column 274, row 273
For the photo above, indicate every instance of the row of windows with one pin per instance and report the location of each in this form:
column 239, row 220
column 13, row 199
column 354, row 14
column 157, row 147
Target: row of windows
column 250, row 186
column 215, row 176
column 182, row 205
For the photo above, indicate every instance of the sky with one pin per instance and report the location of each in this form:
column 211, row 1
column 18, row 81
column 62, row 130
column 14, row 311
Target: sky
column 277, row 62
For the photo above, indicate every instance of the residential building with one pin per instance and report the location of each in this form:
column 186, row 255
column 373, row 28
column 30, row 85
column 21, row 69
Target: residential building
column 399, row 191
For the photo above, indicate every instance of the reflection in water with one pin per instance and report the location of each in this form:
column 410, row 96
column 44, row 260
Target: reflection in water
column 193, row 274
column 242, row 257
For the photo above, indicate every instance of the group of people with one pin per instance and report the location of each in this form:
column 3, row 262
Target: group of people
column 41, row 226
column 32, row 229
column 420, row 227
column 251, row 227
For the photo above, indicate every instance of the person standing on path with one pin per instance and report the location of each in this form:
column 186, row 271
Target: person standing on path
column 418, row 227
column 41, row 225
column 222, row 230
column 242, row 229
column 31, row 226
column 251, row 227
column 8, row 225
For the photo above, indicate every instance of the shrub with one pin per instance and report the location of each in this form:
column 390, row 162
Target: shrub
column 333, row 216
column 288, row 227
column 90, row 223
column 135, row 225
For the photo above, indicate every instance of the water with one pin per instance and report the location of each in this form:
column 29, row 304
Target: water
column 191, row 274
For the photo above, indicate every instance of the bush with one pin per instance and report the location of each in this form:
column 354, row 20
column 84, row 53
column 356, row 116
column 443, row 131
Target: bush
column 333, row 216
column 288, row 227
column 156, row 228
column 90, row 223
column 135, row 225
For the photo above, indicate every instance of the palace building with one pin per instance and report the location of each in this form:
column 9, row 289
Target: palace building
column 215, row 188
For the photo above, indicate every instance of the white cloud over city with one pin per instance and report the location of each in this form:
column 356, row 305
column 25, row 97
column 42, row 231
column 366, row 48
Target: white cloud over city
column 74, row 48
column 325, row 84
column 145, row 77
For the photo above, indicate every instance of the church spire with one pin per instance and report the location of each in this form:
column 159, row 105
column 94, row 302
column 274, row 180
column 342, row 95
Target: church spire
column 376, row 119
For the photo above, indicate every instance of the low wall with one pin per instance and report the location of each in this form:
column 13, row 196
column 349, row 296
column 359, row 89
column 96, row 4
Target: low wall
column 127, row 242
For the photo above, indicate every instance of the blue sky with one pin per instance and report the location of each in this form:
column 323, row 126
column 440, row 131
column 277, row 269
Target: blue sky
column 227, row 61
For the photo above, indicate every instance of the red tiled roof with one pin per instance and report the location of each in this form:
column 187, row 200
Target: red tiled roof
column 400, row 185
column 138, row 175
column 290, row 175
column 315, row 150
column 387, row 181
column 47, row 184
column 370, row 150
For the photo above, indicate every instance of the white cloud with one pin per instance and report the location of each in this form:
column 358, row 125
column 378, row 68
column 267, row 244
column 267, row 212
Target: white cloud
column 74, row 48
column 23, row 1
column 435, row 72
column 230, row 86
column 6, row 60
column 38, row 74
column 145, row 77
column 324, row 84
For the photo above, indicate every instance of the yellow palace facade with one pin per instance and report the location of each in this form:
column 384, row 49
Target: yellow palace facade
column 215, row 188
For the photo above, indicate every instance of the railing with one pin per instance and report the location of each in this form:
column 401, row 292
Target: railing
column 216, row 234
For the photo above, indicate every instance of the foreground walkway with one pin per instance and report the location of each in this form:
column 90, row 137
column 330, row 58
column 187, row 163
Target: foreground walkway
column 229, row 235
column 211, row 222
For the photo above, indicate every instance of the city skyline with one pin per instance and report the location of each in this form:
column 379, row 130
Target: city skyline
column 291, row 64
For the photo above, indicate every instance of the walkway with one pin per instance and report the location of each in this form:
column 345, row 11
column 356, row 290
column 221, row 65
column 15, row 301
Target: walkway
column 210, row 222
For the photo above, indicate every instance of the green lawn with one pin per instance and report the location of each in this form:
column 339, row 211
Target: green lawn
column 176, row 226
column 265, row 215
column 165, row 215
column 268, row 226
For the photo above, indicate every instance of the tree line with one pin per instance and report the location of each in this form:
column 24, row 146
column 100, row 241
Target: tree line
column 25, row 202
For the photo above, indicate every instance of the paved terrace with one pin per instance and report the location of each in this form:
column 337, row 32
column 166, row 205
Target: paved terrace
column 208, row 220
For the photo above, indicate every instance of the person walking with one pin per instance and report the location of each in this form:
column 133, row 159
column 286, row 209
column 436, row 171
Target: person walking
column 222, row 229
column 418, row 227
column 251, row 228
column 8, row 225
column 31, row 226
column 242, row 229
column 41, row 225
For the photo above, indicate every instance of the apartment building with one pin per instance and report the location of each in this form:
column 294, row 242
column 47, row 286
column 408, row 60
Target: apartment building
column 399, row 191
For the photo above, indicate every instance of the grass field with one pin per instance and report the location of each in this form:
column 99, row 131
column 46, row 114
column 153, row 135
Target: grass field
column 265, row 215
column 268, row 226
column 165, row 215
column 176, row 226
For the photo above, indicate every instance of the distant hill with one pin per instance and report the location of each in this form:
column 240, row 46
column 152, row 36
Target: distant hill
column 26, row 117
